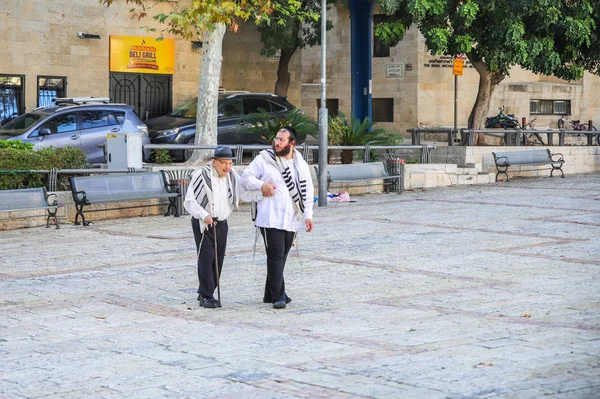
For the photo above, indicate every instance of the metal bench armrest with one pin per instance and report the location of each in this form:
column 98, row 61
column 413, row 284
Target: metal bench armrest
column 54, row 200
column 561, row 158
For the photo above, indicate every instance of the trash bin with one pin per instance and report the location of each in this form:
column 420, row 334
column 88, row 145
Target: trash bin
column 395, row 166
column 181, row 178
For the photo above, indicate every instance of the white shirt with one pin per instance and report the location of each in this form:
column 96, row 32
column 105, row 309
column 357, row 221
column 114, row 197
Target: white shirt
column 221, row 207
column 278, row 211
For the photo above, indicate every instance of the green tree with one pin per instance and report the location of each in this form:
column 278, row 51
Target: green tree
column 291, row 36
column 551, row 37
column 207, row 20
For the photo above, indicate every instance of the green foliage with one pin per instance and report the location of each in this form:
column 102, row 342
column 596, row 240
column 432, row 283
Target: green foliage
column 14, row 156
column 552, row 37
column 17, row 145
column 199, row 17
column 266, row 127
column 354, row 132
column 161, row 156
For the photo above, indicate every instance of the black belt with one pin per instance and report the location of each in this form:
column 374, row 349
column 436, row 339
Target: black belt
column 219, row 221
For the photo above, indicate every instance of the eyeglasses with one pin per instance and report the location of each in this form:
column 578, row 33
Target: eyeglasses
column 225, row 162
column 280, row 139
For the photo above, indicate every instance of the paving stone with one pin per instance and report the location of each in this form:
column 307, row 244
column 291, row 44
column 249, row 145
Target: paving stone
column 460, row 292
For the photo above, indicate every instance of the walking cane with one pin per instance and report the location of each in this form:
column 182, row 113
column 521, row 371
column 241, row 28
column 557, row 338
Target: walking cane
column 217, row 264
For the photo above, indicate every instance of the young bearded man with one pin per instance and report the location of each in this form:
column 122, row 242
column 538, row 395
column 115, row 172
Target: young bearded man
column 284, row 179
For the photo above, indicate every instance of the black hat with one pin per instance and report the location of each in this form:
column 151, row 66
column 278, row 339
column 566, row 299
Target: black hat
column 223, row 152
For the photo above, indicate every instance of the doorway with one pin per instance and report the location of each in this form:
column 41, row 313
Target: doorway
column 151, row 95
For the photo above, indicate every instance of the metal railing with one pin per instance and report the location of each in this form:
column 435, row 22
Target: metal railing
column 305, row 149
column 512, row 137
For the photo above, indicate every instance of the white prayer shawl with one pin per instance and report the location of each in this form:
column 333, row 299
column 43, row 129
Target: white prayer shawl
column 296, row 185
column 203, row 192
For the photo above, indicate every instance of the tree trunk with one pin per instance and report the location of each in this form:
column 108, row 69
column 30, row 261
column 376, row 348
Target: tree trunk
column 283, row 70
column 208, row 93
column 487, row 81
column 283, row 75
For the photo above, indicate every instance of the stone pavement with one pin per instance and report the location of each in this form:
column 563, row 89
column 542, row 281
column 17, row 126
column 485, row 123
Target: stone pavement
column 464, row 292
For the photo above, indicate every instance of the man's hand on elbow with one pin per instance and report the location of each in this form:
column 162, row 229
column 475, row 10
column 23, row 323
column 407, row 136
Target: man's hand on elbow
column 268, row 189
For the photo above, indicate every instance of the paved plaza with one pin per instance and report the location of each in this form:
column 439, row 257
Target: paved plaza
column 462, row 292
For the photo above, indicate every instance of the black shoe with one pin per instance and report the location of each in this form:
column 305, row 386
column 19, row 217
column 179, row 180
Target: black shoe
column 287, row 300
column 279, row 305
column 209, row 303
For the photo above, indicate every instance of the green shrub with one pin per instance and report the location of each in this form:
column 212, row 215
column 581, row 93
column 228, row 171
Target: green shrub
column 161, row 156
column 18, row 156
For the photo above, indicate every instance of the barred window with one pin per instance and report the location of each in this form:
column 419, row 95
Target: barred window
column 49, row 88
column 550, row 107
column 383, row 110
column 12, row 97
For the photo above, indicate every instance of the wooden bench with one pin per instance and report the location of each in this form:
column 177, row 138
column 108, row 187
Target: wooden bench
column 504, row 160
column 88, row 190
column 358, row 172
column 30, row 199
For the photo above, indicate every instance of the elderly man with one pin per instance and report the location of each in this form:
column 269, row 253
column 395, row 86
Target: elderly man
column 213, row 193
column 284, row 179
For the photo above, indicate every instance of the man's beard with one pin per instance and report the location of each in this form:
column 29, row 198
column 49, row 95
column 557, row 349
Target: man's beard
column 285, row 151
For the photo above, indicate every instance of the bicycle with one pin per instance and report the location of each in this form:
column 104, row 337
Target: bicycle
column 577, row 126
column 531, row 138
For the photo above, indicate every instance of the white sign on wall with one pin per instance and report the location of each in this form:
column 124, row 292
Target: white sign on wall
column 394, row 70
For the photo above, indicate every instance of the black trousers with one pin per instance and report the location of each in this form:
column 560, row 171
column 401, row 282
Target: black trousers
column 277, row 246
column 205, row 248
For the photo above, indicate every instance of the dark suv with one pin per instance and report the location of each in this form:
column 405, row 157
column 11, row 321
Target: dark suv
column 179, row 127
column 77, row 122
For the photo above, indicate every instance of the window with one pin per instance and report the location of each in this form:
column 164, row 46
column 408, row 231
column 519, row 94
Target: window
column 277, row 107
column 92, row 119
column 256, row 106
column 50, row 87
column 59, row 124
column 380, row 49
column 550, row 107
column 383, row 110
column 332, row 105
column 12, row 97
column 231, row 108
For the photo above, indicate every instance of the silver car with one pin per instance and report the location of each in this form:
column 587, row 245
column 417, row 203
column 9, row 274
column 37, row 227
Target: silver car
column 77, row 122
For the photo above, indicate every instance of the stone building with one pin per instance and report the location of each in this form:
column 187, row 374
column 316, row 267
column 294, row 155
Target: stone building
column 67, row 48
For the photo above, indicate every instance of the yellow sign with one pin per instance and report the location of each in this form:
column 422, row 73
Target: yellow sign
column 142, row 55
column 458, row 67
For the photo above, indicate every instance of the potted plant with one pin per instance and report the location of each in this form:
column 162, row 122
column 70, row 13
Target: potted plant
column 353, row 133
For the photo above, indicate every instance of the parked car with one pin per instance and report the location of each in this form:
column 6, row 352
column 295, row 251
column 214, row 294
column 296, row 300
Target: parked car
column 76, row 122
column 234, row 112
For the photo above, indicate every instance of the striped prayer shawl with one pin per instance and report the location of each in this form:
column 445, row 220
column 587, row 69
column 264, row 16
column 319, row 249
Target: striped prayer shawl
column 296, row 187
column 203, row 192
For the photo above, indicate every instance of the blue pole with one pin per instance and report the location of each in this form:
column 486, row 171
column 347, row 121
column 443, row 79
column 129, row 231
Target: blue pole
column 361, row 12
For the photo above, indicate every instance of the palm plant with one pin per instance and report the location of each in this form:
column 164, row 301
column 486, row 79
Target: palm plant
column 266, row 127
column 354, row 133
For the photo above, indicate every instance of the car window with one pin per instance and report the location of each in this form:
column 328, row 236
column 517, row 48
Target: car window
column 92, row 119
column 256, row 106
column 59, row 124
column 231, row 108
column 277, row 107
column 119, row 116
column 186, row 110
column 21, row 124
